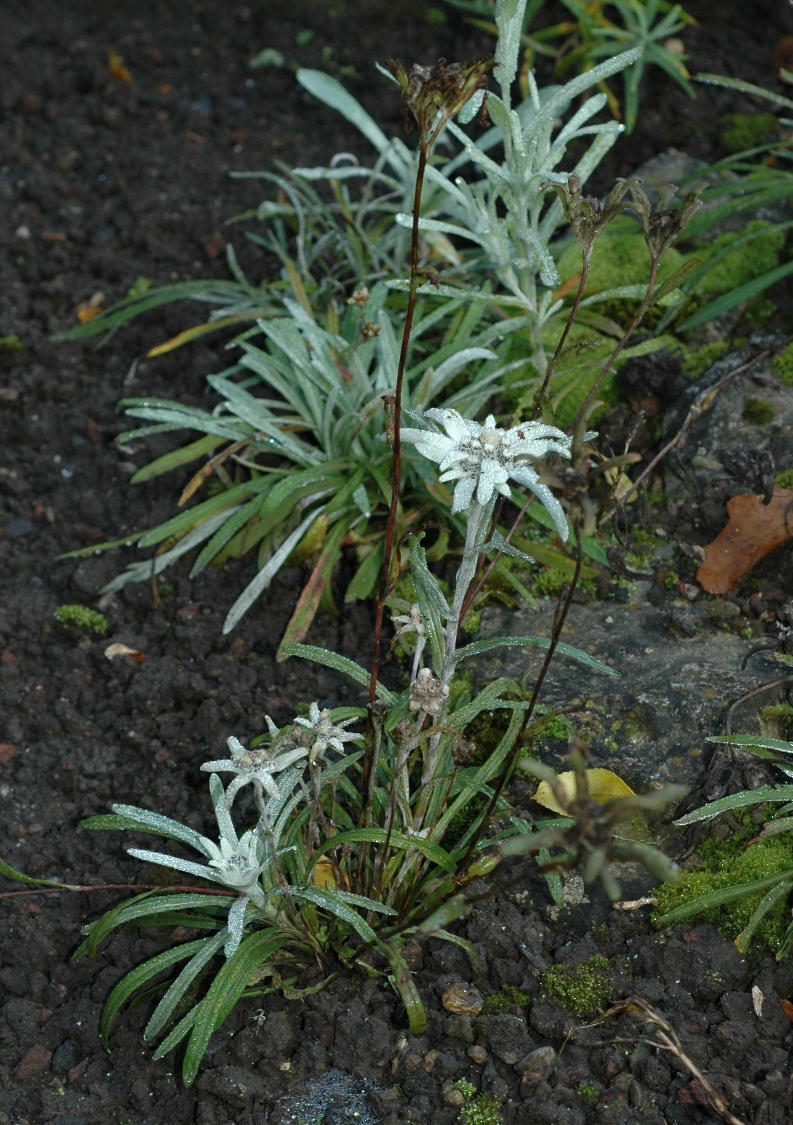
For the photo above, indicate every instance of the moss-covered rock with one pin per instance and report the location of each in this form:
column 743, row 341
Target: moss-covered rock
column 746, row 262
column 584, row 990
column 740, row 131
column 728, row 863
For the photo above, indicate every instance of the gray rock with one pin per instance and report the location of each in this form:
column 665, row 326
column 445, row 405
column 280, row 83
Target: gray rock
column 507, row 1036
column 536, row 1066
column 493, row 1084
column 668, row 697
column 459, row 1027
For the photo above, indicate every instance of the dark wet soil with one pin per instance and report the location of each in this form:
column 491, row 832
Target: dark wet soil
column 102, row 183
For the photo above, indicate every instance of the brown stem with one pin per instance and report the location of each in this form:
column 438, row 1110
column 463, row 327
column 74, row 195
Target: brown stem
column 388, row 545
column 118, row 887
column 559, row 619
column 607, row 366
column 565, row 333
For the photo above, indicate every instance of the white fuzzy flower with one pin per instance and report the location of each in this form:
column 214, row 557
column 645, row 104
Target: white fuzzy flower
column 254, row 767
column 483, row 459
column 326, row 731
column 411, row 622
column 236, row 862
column 427, row 694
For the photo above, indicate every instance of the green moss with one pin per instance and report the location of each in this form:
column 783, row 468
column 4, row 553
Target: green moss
column 740, row 131
column 548, row 583
column 671, row 580
column 81, row 619
column 583, row 989
column 783, row 366
column 11, row 344
column 727, row 863
column 559, row 727
column 501, row 1003
column 140, row 288
column 696, row 363
column 777, row 721
column 757, row 412
column 785, row 479
column 479, row 1109
column 745, row 262
column 473, row 622
column 589, row 1095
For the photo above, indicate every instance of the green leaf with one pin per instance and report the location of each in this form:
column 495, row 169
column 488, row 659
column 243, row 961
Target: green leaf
column 364, row 580
column 128, row 818
column 738, row 801
column 330, row 91
column 133, row 981
column 769, row 900
column 339, row 664
column 224, row 992
column 406, row 987
column 218, row 292
column 676, row 279
column 396, row 840
column 736, row 296
column 719, row 898
column 18, row 877
column 177, row 458
column 139, row 907
column 329, row 901
column 431, row 602
column 204, row 951
column 750, row 740
column 451, row 911
column 577, row 654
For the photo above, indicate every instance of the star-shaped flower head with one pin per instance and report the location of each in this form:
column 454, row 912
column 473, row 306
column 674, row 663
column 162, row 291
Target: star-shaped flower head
column 236, row 862
column 326, row 732
column 412, row 622
column 483, row 459
column 255, row 767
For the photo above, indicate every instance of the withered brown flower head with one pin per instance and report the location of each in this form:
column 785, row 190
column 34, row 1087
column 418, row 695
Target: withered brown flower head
column 433, row 95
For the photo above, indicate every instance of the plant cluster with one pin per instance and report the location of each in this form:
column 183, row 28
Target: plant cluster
column 345, row 831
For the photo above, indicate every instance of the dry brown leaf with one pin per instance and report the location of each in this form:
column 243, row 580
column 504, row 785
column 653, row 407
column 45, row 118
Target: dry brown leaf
column 117, row 649
column 787, row 1008
column 753, row 529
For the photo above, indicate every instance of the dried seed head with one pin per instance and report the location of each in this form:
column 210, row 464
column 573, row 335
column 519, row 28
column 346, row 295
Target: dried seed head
column 359, row 297
column 433, row 95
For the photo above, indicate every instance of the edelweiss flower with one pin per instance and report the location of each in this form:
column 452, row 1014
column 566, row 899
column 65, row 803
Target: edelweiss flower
column 482, row 459
column 235, row 863
column 412, row 622
column 254, row 767
column 327, row 732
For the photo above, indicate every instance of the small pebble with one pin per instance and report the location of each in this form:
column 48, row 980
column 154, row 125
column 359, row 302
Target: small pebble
column 454, row 1098
column 477, row 1055
column 462, row 1000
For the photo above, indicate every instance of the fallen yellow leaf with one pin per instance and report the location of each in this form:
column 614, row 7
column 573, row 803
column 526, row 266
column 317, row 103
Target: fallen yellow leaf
column 115, row 64
column 603, row 786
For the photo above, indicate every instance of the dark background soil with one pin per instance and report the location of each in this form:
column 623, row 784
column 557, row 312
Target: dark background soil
column 102, row 183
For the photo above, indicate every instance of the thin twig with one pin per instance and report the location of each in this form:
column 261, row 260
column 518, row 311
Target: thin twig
column 486, row 572
column 117, row 887
column 701, row 404
column 560, row 616
column 667, row 1040
column 565, row 332
column 750, row 695
column 612, row 359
